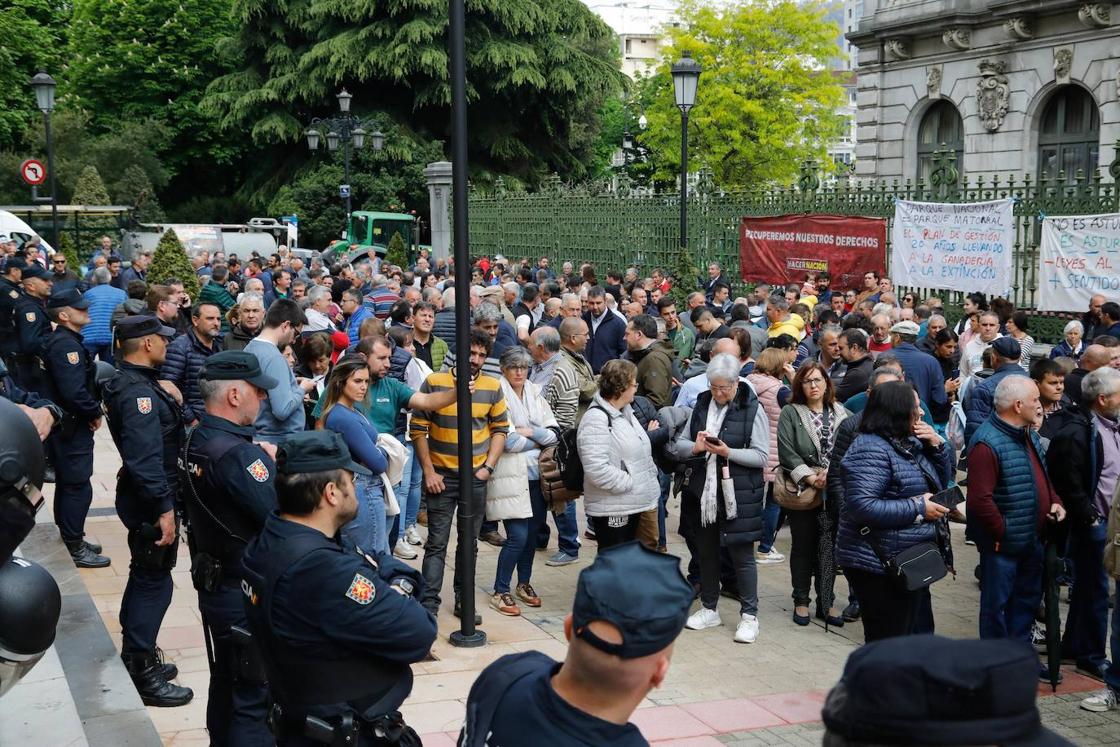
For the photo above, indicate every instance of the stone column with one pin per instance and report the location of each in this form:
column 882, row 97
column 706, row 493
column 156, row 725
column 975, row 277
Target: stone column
column 438, row 175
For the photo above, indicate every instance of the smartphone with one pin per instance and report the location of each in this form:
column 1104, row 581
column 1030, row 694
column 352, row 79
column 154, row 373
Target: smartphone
column 949, row 498
column 956, row 373
column 712, row 440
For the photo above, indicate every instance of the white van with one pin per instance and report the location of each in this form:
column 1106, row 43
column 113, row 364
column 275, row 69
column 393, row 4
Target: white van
column 20, row 231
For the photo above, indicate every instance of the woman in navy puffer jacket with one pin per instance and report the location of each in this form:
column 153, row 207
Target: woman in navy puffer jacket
column 890, row 470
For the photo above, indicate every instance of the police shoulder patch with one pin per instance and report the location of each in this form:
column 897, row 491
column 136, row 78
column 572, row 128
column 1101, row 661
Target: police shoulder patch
column 72, row 358
column 29, row 316
column 13, row 294
column 361, row 590
column 258, row 471
column 144, row 405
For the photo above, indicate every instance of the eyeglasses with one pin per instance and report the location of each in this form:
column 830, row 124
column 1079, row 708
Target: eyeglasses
column 723, row 387
column 813, row 382
column 60, row 261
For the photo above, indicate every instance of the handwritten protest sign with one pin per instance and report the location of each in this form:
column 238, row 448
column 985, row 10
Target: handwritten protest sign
column 960, row 247
column 1079, row 256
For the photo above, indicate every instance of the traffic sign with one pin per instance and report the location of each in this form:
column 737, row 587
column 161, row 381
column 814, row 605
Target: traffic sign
column 344, row 191
column 33, row 172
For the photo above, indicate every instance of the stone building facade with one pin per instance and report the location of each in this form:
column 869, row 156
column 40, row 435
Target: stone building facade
column 1014, row 87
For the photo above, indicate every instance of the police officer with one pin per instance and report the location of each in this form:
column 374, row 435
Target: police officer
column 337, row 629
column 44, row 414
column 70, row 377
column 228, row 494
column 147, row 427
column 620, row 635
column 10, row 291
column 33, row 327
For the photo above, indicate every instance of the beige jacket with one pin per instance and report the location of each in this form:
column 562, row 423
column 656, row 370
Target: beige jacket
column 1112, row 547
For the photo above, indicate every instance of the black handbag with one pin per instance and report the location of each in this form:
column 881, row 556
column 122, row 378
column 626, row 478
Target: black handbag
column 917, row 567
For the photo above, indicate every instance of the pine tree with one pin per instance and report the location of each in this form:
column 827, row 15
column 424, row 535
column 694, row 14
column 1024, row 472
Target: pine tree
column 135, row 189
column 89, row 189
column 170, row 261
column 397, row 253
column 685, row 276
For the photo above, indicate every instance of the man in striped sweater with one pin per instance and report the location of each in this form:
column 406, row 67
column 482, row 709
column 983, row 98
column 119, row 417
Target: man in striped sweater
column 435, row 438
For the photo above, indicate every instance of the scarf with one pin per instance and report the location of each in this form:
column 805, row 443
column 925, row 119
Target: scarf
column 708, row 498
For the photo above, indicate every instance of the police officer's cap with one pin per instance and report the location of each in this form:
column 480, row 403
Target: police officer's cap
column 14, row 262
column 34, row 270
column 235, row 365
column 132, row 327
column 71, row 297
column 640, row 592
column 315, row 451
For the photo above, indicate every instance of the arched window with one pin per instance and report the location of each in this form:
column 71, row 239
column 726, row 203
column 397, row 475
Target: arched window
column 940, row 129
column 1069, row 135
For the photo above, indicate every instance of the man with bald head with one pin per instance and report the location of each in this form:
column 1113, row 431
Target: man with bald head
column 1094, row 357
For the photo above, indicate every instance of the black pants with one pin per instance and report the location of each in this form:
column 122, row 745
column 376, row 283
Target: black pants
column 712, row 554
column 147, row 593
column 615, row 530
column 804, row 530
column 886, row 611
column 72, row 453
column 235, row 710
column 441, row 513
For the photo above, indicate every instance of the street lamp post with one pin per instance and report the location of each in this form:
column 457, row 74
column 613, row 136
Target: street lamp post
column 44, row 86
column 686, row 73
column 349, row 132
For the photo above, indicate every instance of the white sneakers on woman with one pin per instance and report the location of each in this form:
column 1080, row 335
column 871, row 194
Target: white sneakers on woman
column 746, row 632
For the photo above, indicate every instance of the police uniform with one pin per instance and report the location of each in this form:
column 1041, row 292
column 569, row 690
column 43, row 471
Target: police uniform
column 337, row 629
column 228, row 494
column 71, row 385
column 147, row 428
column 10, row 291
column 32, row 329
column 513, row 703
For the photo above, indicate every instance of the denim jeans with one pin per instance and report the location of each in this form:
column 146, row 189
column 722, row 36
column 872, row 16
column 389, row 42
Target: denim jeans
column 442, row 509
column 1087, row 621
column 771, row 513
column 567, row 530
column 367, row 530
column 666, row 482
column 103, row 352
column 408, row 495
column 1010, row 592
column 518, row 551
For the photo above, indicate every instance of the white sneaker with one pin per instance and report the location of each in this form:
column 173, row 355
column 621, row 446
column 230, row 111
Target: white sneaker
column 747, row 632
column 402, row 550
column 1101, row 701
column 412, row 534
column 703, row 618
column 769, row 558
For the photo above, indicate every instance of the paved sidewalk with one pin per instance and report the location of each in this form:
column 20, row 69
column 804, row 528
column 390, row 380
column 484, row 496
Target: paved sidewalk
column 717, row 691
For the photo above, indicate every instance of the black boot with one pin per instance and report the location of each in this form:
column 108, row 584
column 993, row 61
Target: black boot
column 154, row 689
column 851, row 613
column 167, row 669
column 85, row 556
column 92, row 545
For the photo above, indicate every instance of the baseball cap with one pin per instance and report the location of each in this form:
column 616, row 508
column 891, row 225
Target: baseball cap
column 906, row 327
column 132, row 327
column 931, row 690
column 235, row 365
column 34, row 270
column 71, row 297
column 1008, row 347
column 315, row 451
column 640, row 592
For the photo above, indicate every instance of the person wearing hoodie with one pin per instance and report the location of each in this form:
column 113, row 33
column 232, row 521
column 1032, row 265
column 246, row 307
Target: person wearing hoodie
column 653, row 357
column 781, row 321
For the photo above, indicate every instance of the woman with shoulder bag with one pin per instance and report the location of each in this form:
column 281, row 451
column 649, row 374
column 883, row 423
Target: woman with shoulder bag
column 891, row 470
column 806, row 435
column 766, row 379
column 513, row 493
column 727, row 444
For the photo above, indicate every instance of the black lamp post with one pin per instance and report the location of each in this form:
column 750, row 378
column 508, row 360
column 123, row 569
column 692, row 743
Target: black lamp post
column 686, row 73
column 44, row 86
column 345, row 130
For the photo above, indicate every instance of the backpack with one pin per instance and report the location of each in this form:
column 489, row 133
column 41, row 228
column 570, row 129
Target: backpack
column 955, row 429
column 567, row 455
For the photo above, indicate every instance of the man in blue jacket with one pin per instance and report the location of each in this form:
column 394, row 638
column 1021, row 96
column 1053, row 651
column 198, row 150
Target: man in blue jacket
column 978, row 404
column 921, row 369
column 607, row 330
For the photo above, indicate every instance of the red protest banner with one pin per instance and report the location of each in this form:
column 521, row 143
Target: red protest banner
column 783, row 248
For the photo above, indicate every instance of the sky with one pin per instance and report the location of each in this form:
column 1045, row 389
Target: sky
column 630, row 16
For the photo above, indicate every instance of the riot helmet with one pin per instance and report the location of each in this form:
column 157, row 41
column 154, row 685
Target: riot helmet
column 30, row 603
column 22, row 466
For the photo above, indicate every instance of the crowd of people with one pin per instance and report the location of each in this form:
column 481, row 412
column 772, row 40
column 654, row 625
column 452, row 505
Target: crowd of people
column 858, row 417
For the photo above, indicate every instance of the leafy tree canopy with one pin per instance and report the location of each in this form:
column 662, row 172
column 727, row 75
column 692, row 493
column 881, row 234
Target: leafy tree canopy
column 32, row 41
column 767, row 99
column 538, row 71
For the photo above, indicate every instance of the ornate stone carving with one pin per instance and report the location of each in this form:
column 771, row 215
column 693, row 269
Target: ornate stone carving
column 959, row 39
column 1095, row 15
column 1063, row 63
column 933, row 81
column 1019, row 27
column 992, row 93
column 899, row 49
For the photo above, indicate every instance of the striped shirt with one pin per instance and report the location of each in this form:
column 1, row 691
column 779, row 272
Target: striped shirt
column 490, row 366
column 441, row 428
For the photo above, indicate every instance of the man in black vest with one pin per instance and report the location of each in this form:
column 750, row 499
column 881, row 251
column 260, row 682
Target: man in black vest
column 228, row 495
column 337, row 629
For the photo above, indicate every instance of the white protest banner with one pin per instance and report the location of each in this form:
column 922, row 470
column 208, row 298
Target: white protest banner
column 1079, row 257
column 963, row 247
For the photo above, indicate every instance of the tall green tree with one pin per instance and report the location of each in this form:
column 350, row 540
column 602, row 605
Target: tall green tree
column 538, row 72
column 766, row 101
column 135, row 188
column 170, row 261
column 32, row 33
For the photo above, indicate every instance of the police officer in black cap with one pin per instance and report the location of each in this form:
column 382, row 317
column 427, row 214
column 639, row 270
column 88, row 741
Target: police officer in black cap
column 33, row 328
column 228, row 494
column 147, row 427
column 337, row 629
column 44, row 414
column 10, row 291
column 71, row 384
column 631, row 604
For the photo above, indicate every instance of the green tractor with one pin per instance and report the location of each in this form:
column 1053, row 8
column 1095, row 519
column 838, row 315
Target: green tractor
column 370, row 233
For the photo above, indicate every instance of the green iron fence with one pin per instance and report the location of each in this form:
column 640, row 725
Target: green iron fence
column 614, row 228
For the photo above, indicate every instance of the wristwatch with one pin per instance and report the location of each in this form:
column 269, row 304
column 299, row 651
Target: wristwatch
column 488, row 468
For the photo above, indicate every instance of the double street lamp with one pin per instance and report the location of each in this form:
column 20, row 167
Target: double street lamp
column 686, row 74
column 345, row 130
column 43, row 85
